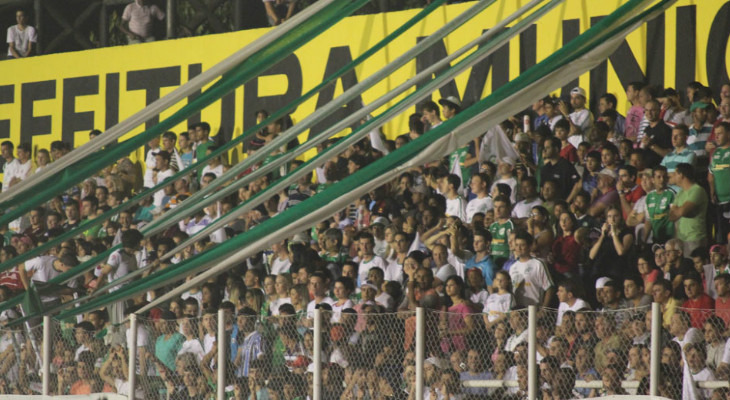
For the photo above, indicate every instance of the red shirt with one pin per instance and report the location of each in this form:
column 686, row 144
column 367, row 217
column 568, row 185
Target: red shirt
column 569, row 153
column 635, row 194
column 567, row 254
column 699, row 309
column 722, row 309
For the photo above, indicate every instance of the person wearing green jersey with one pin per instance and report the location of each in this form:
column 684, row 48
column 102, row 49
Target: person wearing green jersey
column 689, row 209
column 500, row 230
column 658, row 202
column 718, row 178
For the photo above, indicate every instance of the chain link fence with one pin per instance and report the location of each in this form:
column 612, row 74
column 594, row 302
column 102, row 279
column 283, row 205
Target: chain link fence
column 367, row 353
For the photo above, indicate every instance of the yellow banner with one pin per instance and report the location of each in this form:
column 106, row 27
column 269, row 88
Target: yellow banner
column 64, row 96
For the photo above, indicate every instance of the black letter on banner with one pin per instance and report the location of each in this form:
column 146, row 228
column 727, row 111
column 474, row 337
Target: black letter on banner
column 528, row 48
column 571, row 30
column 498, row 62
column 151, row 80
column 112, row 100
column 686, row 46
column 77, row 121
column 228, row 118
column 434, row 54
column 338, row 58
column 716, row 50
column 193, row 71
column 29, row 124
column 624, row 64
column 252, row 102
column 7, row 96
column 655, row 42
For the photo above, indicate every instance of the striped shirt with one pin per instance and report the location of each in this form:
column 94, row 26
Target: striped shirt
column 671, row 160
column 698, row 138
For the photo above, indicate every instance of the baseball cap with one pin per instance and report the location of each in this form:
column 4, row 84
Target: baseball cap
column 601, row 282
column 578, row 90
column 381, row 221
column 521, row 137
column 369, row 284
column 718, row 248
column 698, row 104
column 608, row 172
column 451, row 101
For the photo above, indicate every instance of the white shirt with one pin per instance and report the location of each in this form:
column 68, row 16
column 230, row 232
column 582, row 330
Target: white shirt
column 530, row 281
column 160, row 194
column 140, row 18
column 21, row 38
column 150, row 163
column 693, row 335
column 312, row 304
column 10, row 170
column 563, row 307
column 192, row 346
column 498, row 304
column 478, row 205
column 443, row 272
column 121, row 263
column 42, row 270
column 523, row 208
column 279, row 266
column 364, row 267
column 217, row 171
column 456, row 207
column 514, row 340
column 394, row 270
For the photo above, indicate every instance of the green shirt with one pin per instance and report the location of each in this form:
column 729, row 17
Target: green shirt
column 657, row 212
column 500, row 235
column 459, row 156
column 690, row 229
column 720, row 170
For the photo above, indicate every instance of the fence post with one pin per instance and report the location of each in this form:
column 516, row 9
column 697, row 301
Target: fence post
column 103, row 25
column 532, row 352
column 132, row 366
column 39, row 25
column 237, row 15
column 171, row 15
column 317, row 356
column 221, row 340
column 420, row 349
column 46, row 354
column 656, row 348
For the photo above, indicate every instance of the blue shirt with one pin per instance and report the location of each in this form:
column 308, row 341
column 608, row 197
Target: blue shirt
column 486, row 265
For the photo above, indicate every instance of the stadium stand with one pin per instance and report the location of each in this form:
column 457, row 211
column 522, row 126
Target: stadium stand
column 569, row 247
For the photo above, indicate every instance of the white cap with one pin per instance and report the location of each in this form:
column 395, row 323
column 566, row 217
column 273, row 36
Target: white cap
column 578, row 90
column 601, row 282
column 609, row 173
column 452, row 101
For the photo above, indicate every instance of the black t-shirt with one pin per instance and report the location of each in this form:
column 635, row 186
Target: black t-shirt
column 563, row 172
column 660, row 135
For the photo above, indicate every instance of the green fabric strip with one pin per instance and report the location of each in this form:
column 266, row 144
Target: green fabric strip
column 80, row 269
column 579, row 46
column 248, row 70
column 85, row 225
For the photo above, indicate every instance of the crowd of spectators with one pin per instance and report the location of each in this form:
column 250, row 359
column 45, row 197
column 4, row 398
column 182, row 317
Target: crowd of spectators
column 594, row 217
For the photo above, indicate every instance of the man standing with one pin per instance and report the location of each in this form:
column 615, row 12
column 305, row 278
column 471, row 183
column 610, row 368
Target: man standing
column 698, row 304
column 658, row 202
column 689, row 209
column 21, row 37
column 500, row 230
column 367, row 258
column 161, row 172
column 169, row 139
column 557, row 168
column 657, row 135
column 700, row 130
column 481, row 258
column 431, row 115
column 681, row 153
column 137, row 21
column 718, row 178
column 11, row 165
column 530, row 277
column 455, row 204
column 580, row 119
column 482, row 202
